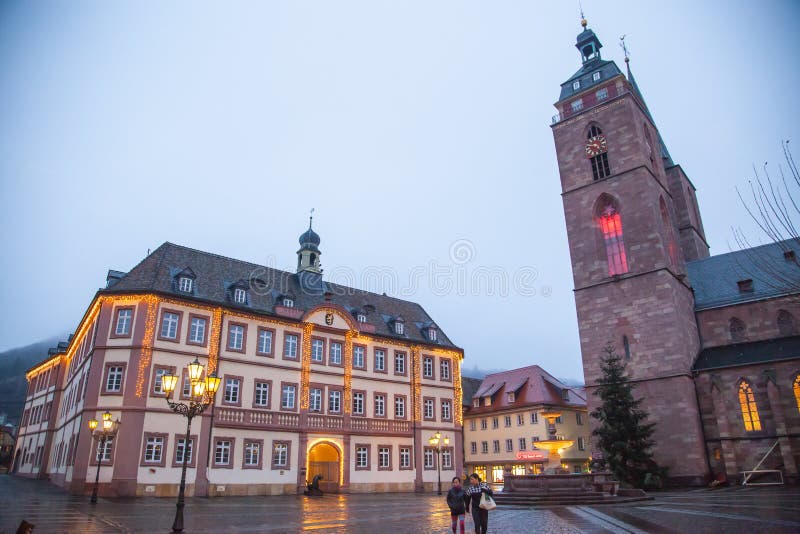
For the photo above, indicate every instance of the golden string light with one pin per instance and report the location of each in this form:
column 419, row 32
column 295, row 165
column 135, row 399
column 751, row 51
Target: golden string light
column 416, row 382
column 147, row 342
column 459, row 394
column 216, row 332
column 348, row 371
column 305, row 370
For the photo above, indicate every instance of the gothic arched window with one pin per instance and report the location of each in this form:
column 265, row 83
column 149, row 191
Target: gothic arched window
column 611, row 226
column 786, row 323
column 747, row 402
column 672, row 248
column 596, row 150
column 737, row 329
column 796, row 388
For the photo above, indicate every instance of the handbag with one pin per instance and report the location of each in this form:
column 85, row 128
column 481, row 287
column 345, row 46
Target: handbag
column 487, row 503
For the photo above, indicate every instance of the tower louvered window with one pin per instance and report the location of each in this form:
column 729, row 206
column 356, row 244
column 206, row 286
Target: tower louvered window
column 596, row 149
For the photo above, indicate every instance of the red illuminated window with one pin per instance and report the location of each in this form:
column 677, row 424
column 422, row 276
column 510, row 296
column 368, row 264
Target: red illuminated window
column 611, row 225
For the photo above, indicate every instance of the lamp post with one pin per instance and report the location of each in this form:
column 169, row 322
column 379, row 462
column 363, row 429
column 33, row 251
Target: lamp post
column 201, row 395
column 107, row 430
column 435, row 442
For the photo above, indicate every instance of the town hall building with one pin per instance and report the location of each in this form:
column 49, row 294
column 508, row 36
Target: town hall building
column 710, row 341
column 315, row 379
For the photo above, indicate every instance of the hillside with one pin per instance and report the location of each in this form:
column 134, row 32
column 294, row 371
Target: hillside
column 13, row 364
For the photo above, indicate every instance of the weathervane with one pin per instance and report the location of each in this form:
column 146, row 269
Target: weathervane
column 624, row 47
column 310, row 218
column 583, row 19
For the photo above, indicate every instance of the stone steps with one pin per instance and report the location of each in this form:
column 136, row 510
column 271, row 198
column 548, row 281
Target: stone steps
column 564, row 499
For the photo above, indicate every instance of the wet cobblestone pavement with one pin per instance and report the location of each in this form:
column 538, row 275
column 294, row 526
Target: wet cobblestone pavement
column 773, row 509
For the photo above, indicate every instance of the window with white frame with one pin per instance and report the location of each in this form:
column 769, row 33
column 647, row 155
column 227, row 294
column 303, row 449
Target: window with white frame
column 432, row 334
column 232, row 386
column 317, row 346
column 290, row 346
column 186, row 390
column 399, row 363
column 265, row 341
column 484, row 425
column 473, row 448
column 472, row 425
column 509, row 445
column 362, row 457
column 380, row 405
column 114, row 378
column 315, row 400
column 523, row 445
column 399, row 407
column 427, row 367
column 495, row 422
column 181, row 449
column 287, row 302
column 222, row 452
column 428, row 409
column 336, row 353
column 239, row 295
column 577, row 105
column 507, row 420
column 601, row 94
column 335, row 401
column 104, row 450
column 380, row 360
column 534, row 418
column 399, row 328
column 288, row 393
column 429, row 459
column 197, row 330
column 261, row 395
column 596, row 76
column 581, row 444
column 485, row 447
column 169, row 325
column 124, row 322
column 444, row 369
column 578, row 418
column 252, row 453
column 405, row 458
column 157, row 383
column 446, row 410
column 361, row 318
column 358, row 356
column 520, row 419
column 576, row 85
column 236, row 337
column 185, row 284
column 280, row 455
column 447, row 459
column 384, row 457
column 153, row 450
column 358, row 403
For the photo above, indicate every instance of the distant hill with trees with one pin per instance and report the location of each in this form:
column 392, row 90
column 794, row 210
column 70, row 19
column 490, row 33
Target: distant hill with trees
column 13, row 364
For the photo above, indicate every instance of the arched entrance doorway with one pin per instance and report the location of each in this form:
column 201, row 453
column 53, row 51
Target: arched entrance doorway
column 323, row 459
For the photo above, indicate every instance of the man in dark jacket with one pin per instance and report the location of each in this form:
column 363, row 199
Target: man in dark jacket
column 457, row 501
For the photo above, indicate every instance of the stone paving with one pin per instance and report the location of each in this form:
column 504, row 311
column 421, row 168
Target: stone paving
column 773, row 509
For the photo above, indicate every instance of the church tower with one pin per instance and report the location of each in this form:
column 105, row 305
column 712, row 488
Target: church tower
column 632, row 224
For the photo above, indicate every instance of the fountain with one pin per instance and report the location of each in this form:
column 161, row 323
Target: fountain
column 557, row 485
column 552, row 445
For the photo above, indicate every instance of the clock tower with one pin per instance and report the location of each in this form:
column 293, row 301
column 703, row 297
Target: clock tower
column 632, row 223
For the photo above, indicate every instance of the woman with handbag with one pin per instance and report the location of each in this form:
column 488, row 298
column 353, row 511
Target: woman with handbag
column 480, row 501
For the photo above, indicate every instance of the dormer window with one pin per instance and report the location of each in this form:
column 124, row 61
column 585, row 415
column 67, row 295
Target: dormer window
column 576, row 85
column 596, row 76
column 565, row 394
column 399, row 328
column 239, row 295
column 185, row 284
column 288, row 302
column 476, row 403
column 487, row 401
column 432, row 334
column 511, row 396
column 745, row 286
column 361, row 318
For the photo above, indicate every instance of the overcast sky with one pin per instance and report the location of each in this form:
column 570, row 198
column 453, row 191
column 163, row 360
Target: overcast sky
column 420, row 132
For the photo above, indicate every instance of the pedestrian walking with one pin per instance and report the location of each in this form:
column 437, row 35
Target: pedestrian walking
column 474, row 492
column 457, row 501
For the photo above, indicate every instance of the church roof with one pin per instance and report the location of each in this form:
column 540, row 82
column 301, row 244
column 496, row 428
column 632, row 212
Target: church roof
column 267, row 286
column 607, row 69
column 715, row 280
column 770, row 350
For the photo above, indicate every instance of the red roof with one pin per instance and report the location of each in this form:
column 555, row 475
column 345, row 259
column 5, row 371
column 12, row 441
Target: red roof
column 532, row 385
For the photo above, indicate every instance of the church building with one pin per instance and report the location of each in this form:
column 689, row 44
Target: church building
column 710, row 341
column 315, row 379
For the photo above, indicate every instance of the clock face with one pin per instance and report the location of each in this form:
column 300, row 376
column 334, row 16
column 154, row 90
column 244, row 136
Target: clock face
column 596, row 145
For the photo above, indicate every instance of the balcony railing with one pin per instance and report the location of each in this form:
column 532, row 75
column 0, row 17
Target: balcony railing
column 267, row 420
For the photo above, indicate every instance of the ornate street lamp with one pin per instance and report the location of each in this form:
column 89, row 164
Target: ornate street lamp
column 435, row 441
column 106, row 431
column 201, row 395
